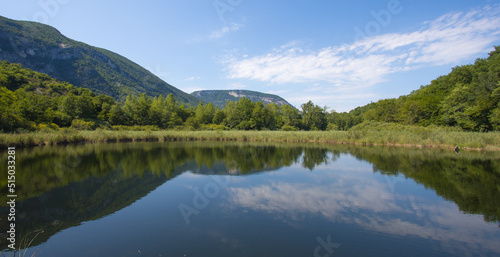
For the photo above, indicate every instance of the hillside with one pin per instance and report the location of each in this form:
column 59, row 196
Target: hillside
column 468, row 98
column 44, row 49
column 29, row 99
column 220, row 97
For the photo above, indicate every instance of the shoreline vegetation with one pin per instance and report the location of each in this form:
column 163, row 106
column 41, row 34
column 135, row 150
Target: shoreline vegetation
column 461, row 108
column 366, row 134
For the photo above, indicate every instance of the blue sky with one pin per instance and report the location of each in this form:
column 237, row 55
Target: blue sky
column 339, row 54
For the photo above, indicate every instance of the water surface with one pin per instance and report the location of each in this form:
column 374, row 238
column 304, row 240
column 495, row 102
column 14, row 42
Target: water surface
column 236, row 199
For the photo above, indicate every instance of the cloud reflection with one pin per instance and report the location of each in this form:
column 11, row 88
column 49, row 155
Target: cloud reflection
column 355, row 198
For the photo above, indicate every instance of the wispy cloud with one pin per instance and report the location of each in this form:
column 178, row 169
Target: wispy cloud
column 226, row 29
column 369, row 205
column 449, row 39
column 216, row 34
column 192, row 78
column 236, row 86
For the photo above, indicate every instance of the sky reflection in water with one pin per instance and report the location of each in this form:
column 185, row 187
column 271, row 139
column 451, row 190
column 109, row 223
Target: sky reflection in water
column 284, row 210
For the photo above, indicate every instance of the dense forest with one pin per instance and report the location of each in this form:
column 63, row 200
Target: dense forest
column 467, row 98
column 32, row 101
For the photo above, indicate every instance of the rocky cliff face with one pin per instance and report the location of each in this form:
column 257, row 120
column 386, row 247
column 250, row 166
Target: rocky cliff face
column 21, row 48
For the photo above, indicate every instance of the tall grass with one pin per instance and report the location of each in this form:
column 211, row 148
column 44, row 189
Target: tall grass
column 24, row 244
column 396, row 134
column 363, row 134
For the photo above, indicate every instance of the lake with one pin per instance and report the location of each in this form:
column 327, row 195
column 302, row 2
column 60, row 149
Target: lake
column 246, row 199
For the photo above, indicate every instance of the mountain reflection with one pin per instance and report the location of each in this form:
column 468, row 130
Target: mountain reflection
column 61, row 187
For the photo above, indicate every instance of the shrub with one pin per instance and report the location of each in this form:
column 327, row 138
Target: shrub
column 244, row 125
column 135, row 128
column 332, row 126
column 214, row 127
column 83, row 125
column 44, row 127
column 289, row 128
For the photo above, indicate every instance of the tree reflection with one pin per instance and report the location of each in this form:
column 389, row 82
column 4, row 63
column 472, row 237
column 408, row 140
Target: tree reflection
column 60, row 187
column 471, row 179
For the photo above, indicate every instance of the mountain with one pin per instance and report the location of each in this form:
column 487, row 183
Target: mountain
column 219, row 97
column 44, row 49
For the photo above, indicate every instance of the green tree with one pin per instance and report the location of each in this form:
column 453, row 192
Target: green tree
column 239, row 113
column 142, row 114
column 9, row 119
column 102, row 106
column 219, row 117
column 274, row 116
column 32, row 106
column 117, row 115
column 137, row 109
column 205, row 113
column 386, row 110
column 313, row 117
column 468, row 106
column 158, row 113
column 259, row 117
column 290, row 116
column 84, row 107
column 185, row 112
column 494, row 116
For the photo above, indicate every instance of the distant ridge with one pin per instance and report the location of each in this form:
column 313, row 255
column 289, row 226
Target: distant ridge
column 44, row 49
column 220, row 97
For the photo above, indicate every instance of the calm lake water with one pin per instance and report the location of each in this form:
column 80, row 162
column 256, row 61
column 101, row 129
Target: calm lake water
column 236, row 199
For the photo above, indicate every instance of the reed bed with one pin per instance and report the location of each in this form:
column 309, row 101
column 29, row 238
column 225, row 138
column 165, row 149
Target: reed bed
column 378, row 134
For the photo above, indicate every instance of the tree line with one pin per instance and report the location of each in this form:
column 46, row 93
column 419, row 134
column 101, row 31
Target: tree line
column 30, row 100
column 467, row 98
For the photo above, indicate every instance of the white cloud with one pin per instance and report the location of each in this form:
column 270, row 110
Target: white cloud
column 226, row 29
column 447, row 40
column 217, row 34
column 370, row 205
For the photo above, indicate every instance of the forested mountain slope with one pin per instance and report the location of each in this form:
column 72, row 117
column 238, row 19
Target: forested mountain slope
column 468, row 97
column 44, row 49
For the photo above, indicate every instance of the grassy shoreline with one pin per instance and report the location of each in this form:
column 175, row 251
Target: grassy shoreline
column 424, row 138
